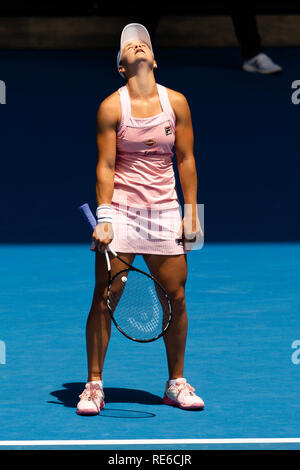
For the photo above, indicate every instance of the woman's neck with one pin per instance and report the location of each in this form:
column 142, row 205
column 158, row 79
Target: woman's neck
column 142, row 85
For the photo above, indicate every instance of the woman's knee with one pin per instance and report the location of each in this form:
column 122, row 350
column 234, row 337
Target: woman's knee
column 177, row 297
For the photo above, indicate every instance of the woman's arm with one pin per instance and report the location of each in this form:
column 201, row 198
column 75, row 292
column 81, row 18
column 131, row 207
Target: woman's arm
column 106, row 137
column 184, row 149
column 106, row 129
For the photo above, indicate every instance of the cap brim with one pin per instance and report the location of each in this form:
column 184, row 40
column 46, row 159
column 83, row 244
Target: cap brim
column 134, row 31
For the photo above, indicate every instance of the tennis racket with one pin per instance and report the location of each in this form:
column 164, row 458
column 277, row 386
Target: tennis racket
column 138, row 304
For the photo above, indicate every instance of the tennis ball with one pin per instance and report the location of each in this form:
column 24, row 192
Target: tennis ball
column 124, row 279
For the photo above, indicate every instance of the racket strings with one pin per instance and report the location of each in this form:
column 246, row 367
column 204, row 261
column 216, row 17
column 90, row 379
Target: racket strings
column 139, row 305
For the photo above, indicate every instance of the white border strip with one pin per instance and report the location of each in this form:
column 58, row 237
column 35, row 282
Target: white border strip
column 128, row 442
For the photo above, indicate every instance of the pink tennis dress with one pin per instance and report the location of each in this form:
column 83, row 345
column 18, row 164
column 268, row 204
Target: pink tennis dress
column 146, row 210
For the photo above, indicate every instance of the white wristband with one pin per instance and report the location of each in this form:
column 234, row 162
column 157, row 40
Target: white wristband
column 104, row 213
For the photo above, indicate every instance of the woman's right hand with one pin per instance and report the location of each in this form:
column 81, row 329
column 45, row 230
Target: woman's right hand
column 102, row 236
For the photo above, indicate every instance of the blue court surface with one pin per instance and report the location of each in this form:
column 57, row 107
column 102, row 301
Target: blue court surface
column 243, row 305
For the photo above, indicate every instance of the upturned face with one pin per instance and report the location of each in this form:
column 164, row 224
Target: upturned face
column 134, row 52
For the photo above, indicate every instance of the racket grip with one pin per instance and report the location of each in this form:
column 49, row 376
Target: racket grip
column 87, row 213
column 91, row 220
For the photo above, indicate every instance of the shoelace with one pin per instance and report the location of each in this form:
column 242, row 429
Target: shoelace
column 87, row 393
column 186, row 388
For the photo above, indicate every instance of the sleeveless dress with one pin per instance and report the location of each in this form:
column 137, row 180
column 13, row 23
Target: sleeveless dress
column 146, row 211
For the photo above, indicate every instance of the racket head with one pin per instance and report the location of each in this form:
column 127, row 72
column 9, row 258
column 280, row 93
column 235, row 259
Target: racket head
column 139, row 305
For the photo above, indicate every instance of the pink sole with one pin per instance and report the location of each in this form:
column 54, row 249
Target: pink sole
column 91, row 412
column 168, row 401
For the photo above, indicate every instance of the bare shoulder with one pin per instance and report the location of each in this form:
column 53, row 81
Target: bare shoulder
column 176, row 98
column 109, row 110
column 178, row 102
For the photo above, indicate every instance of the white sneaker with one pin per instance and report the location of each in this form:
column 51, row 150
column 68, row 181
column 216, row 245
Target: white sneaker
column 91, row 400
column 182, row 395
column 261, row 63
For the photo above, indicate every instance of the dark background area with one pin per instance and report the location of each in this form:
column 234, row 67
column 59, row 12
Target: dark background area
column 246, row 134
column 100, row 7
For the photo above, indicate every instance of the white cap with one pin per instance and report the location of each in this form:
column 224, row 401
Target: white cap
column 132, row 32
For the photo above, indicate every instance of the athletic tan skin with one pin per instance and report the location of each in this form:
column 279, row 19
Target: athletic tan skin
column 138, row 65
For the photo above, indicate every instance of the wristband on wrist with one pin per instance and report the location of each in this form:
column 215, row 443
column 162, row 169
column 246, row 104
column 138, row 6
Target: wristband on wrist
column 104, row 213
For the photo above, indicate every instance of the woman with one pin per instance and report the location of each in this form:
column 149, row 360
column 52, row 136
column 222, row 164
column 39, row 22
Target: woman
column 136, row 129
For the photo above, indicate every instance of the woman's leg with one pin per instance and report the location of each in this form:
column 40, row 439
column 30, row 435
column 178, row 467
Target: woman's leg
column 98, row 325
column 171, row 272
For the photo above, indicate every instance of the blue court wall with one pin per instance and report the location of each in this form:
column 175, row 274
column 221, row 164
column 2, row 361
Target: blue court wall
column 246, row 141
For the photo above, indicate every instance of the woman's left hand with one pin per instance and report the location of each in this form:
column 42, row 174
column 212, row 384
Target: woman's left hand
column 190, row 231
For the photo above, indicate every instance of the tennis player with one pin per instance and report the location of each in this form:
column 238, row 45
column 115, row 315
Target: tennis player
column 138, row 208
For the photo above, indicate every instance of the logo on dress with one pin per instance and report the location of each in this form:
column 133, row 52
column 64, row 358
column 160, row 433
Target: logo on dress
column 149, row 142
column 168, row 130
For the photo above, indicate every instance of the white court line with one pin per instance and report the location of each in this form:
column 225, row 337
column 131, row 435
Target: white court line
column 128, row 442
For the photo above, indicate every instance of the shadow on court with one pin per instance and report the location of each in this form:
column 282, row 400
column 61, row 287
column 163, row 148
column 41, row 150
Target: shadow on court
column 69, row 398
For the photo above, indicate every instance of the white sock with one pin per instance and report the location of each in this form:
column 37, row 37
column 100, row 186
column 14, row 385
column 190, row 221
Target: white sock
column 96, row 382
column 173, row 381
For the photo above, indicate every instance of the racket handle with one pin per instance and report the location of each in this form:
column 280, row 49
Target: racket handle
column 89, row 217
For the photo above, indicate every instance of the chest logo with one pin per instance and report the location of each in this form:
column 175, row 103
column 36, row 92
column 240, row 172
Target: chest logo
column 168, row 130
column 149, row 142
